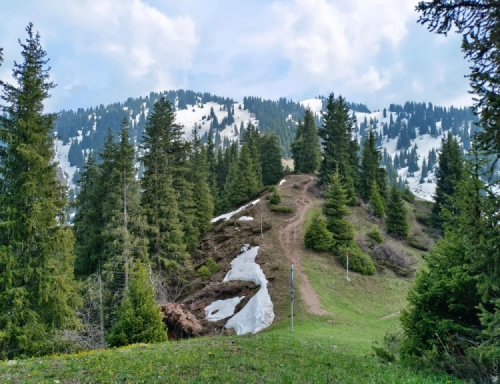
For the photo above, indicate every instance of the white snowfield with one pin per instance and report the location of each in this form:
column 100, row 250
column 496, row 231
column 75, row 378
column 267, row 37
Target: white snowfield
column 245, row 218
column 282, row 182
column 258, row 314
column 227, row 216
column 222, row 309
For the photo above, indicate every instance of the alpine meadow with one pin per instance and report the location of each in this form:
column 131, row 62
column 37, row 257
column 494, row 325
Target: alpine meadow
column 179, row 236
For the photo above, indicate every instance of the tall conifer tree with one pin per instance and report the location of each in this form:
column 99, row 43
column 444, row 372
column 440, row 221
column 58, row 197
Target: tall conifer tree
column 305, row 149
column 397, row 223
column 270, row 156
column 159, row 199
column 448, row 176
column 37, row 287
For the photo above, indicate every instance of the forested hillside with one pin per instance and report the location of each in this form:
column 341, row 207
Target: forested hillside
column 408, row 135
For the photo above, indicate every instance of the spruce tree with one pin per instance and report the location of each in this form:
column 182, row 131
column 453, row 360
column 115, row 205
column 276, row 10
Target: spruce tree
column 396, row 215
column 297, row 146
column 305, row 149
column 335, row 210
column 376, row 201
column 336, row 137
column 88, row 220
column 369, row 165
column 317, row 236
column 448, row 176
column 37, row 289
column 270, row 156
column 167, row 247
column 199, row 177
column 242, row 182
column 139, row 319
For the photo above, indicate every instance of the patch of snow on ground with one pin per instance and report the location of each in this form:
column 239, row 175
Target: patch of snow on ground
column 316, row 105
column 227, row 216
column 259, row 311
column 222, row 309
column 61, row 152
column 245, row 218
column 282, row 182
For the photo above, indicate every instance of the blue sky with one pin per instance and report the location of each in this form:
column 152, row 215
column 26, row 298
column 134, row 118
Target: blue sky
column 370, row 51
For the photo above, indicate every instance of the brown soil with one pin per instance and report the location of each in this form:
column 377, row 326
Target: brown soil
column 289, row 234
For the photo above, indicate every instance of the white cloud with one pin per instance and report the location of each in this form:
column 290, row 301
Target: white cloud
column 137, row 38
column 337, row 41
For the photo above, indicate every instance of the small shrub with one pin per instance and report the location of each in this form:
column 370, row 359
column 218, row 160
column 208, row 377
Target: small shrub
column 375, row 235
column 389, row 350
column 204, row 272
column 358, row 261
column 212, row 266
column 317, row 236
column 275, row 198
column 417, row 243
column 281, row 208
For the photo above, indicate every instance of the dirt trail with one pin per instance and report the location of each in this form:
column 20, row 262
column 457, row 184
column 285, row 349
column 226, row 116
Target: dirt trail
column 290, row 240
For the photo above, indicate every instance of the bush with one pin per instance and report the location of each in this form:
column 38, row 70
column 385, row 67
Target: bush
column 375, row 235
column 204, row 272
column 317, row 236
column 212, row 266
column 275, row 198
column 281, row 209
column 389, row 350
column 139, row 319
column 358, row 261
column 416, row 243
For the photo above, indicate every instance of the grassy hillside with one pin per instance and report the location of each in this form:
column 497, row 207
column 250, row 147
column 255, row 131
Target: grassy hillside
column 330, row 348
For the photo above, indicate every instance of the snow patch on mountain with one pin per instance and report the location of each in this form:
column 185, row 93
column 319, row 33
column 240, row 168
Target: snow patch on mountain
column 315, row 105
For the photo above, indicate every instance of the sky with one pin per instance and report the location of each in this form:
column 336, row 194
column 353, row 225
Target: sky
column 369, row 51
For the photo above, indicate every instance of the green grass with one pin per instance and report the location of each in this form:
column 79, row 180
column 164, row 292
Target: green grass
column 322, row 349
column 312, row 354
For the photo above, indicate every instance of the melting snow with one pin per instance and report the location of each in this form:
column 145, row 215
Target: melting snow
column 222, row 308
column 245, row 218
column 227, row 216
column 259, row 311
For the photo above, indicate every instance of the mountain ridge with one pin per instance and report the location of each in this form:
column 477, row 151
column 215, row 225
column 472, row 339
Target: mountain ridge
column 410, row 132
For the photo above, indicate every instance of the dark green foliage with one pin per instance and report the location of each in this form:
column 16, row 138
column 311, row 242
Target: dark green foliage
column 159, row 199
column 335, row 210
column 242, row 182
column 375, row 235
column 449, row 173
column 87, row 224
column 396, row 215
column 139, row 319
column 199, row 178
column 270, row 157
column 452, row 308
column 376, row 202
column 208, row 270
column 281, row 208
column 305, row 148
column 369, row 165
column 337, row 143
column 38, row 294
column 478, row 22
column 358, row 260
column 275, row 198
column 317, row 236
